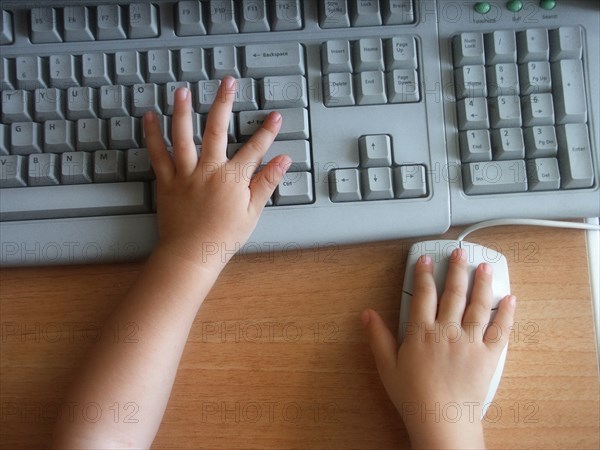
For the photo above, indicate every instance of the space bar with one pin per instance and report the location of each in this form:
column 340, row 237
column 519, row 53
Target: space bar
column 77, row 200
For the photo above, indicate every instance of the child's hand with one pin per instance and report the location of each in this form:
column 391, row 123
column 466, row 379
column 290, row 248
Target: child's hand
column 208, row 206
column 445, row 367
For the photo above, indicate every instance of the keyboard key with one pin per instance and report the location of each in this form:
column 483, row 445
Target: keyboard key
column 76, row 24
column 246, row 95
column 569, row 91
column 473, row 114
column 128, row 68
column 143, row 20
column 43, row 170
column 410, row 181
column 475, row 146
column 12, row 173
column 294, row 188
column 114, row 101
column 500, row 47
column 508, row 144
column 17, row 106
column 274, row 59
column 298, row 150
column 192, row 65
column 540, row 142
column 49, row 104
column 221, row 19
column 505, row 111
column 398, row 12
column 225, row 62
column 81, row 103
column 503, row 79
column 164, row 123
column 344, row 185
column 470, row 81
column 574, row 156
column 109, row 166
column 565, row 43
column 254, row 16
column 123, row 133
column 139, row 167
column 80, row 200
column 538, row 109
column 4, row 139
column 283, row 92
column 188, row 19
column 63, row 71
column 59, row 136
column 91, row 134
column 96, row 69
column 338, row 89
column 401, row 53
column 377, row 183
column 402, row 86
column 334, row 14
column 543, row 174
column 6, row 29
column 294, row 123
column 468, row 49
column 533, row 45
column 7, row 70
column 159, row 66
column 535, row 77
column 44, row 26
column 365, row 13
column 109, row 22
column 494, row 177
column 368, row 55
column 370, row 88
column 76, row 168
column 206, row 93
column 145, row 97
column 31, row 72
column 375, row 150
column 25, row 138
column 335, row 56
column 286, row 15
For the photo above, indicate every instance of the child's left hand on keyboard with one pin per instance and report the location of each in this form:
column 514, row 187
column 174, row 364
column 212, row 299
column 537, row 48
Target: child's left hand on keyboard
column 208, row 206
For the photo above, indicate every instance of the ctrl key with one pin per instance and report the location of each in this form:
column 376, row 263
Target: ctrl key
column 294, row 189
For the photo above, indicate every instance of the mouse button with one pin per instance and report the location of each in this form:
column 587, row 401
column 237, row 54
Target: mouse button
column 500, row 282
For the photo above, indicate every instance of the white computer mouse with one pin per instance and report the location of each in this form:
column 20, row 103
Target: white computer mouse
column 440, row 251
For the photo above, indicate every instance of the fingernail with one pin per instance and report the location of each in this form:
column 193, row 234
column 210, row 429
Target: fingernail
column 285, row 164
column 365, row 317
column 512, row 300
column 486, row 268
column 458, row 254
column 228, row 82
column 182, row 94
column 150, row 116
column 275, row 117
column 425, row 259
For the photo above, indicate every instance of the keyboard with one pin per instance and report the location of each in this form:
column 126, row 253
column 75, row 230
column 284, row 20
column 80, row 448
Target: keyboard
column 402, row 117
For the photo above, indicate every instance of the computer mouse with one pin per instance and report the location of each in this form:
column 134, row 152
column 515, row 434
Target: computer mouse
column 440, row 251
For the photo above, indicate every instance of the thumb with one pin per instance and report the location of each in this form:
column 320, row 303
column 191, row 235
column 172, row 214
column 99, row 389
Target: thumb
column 382, row 342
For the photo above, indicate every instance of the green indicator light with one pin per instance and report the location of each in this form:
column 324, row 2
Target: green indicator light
column 547, row 4
column 514, row 5
column 482, row 7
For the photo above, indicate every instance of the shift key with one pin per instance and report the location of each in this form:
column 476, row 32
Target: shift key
column 294, row 123
column 273, row 59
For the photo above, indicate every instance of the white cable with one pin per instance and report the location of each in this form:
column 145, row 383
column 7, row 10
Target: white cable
column 534, row 222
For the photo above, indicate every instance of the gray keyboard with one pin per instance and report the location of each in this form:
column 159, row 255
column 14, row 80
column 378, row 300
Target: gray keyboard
column 402, row 117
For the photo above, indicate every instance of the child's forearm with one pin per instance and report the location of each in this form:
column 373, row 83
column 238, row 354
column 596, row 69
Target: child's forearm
column 134, row 372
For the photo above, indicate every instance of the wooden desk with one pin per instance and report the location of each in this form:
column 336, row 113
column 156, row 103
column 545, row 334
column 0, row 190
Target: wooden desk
column 277, row 357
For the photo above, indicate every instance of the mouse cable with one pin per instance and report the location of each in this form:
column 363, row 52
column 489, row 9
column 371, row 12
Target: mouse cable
column 533, row 222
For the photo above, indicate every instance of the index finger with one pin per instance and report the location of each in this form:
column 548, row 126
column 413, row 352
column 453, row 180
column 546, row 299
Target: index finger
column 214, row 141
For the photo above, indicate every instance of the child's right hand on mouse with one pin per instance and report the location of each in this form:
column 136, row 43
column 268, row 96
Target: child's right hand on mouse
column 208, row 206
column 439, row 377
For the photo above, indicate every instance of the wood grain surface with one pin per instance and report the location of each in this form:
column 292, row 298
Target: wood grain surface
column 277, row 357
